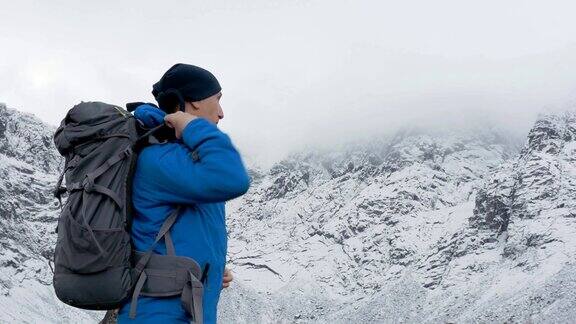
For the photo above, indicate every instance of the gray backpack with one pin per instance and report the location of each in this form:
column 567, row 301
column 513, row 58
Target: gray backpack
column 95, row 266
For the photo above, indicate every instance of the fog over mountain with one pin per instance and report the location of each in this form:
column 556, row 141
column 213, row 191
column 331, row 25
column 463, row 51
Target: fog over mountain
column 298, row 73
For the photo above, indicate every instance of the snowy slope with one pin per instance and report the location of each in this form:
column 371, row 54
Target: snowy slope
column 443, row 226
column 29, row 164
column 433, row 227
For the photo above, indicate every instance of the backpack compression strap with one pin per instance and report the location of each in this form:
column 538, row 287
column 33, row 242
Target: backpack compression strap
column 59, row 189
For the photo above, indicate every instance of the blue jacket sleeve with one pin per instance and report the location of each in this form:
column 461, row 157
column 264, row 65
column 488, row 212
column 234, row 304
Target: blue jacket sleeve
column 218, row 175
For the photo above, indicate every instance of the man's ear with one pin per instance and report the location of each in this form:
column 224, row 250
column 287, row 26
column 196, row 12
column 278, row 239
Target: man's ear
column 195, row 105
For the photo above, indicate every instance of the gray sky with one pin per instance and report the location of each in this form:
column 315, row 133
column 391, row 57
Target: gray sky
column 297, row 73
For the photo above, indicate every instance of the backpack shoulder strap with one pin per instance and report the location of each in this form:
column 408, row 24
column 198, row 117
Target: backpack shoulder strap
column 166, row 226
column 139, row 272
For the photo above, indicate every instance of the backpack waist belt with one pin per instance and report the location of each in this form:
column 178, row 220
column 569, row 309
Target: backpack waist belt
column 167, row 276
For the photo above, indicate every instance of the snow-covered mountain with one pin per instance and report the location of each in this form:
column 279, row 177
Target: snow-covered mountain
column 443, row 226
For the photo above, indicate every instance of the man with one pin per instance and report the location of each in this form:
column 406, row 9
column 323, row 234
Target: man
column 168, row 174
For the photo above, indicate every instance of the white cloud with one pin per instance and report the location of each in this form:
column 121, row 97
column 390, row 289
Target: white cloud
column 298, row 72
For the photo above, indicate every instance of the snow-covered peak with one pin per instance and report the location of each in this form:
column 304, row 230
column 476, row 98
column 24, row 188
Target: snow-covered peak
column 27, row 139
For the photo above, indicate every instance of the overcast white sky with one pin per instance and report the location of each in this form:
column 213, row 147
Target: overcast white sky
column 298, row 72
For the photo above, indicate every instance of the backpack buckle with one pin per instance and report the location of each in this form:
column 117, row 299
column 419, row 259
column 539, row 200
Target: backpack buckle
column 88, row 184
column 127, row 151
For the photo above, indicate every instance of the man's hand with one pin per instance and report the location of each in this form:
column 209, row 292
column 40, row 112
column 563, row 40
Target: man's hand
column 149, row 115
column 227, row 278
column 178, row 121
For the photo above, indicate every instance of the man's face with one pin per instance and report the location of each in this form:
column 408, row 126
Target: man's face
column 208, row 108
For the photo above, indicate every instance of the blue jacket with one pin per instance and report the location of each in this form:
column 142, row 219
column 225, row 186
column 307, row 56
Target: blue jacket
column 166, row 175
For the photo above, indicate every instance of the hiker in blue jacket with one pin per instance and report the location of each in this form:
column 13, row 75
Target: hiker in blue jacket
column 167, row 174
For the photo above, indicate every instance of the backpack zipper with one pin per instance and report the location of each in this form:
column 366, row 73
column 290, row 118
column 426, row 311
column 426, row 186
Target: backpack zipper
column 122, row 111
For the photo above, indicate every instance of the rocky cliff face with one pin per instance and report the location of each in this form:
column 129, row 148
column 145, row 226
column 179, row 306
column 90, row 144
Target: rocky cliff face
column 29, row 166
column 26, row 209
column 444, row 226
column 466, row 226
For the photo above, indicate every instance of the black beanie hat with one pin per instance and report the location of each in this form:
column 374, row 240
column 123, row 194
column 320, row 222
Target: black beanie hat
column 184, row 82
